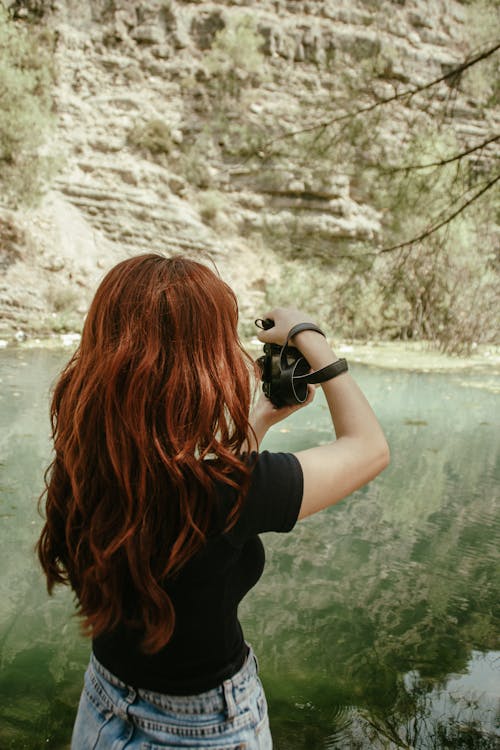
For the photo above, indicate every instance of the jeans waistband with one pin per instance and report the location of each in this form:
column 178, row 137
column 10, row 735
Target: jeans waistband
column 222, row 698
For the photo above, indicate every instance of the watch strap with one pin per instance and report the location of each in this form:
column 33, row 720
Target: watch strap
column 302, row 327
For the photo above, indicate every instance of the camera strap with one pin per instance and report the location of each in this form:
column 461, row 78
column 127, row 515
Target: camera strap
column 318, row 376
column 325, row 373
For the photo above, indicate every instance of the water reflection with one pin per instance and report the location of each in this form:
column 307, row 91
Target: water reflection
column 376, row 621
column 455, row 715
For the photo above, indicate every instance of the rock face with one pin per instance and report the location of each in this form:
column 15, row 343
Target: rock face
column 156, row 155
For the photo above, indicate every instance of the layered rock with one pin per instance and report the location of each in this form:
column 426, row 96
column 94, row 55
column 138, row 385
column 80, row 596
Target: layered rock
column 124, row 65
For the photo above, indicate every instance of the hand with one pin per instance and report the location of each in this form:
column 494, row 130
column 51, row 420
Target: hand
column 285, row 318
column 264, row 414
column 313, row 345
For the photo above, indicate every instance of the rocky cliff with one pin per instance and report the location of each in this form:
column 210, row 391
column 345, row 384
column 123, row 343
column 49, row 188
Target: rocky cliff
column 170, row 140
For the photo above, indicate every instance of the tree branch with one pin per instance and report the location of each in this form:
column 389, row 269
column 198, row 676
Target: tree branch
column 442, row 162
column 440, row 224
column 388, row 100
column 428, row 232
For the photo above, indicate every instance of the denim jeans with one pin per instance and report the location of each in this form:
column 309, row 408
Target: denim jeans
column 115, row 716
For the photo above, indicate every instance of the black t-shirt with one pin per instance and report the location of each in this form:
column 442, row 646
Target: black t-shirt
column 207, row 646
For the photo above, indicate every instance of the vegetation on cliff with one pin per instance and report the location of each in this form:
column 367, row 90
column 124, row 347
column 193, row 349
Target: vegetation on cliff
column 431, row 271
column 354, row 157
column 26, row 104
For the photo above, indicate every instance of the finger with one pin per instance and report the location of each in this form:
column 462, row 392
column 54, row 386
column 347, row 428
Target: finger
column 267, row 336
column 311, row 392
column 265, row 324
column 268, row 316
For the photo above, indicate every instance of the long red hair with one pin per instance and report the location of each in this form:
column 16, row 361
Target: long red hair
column 159, row 383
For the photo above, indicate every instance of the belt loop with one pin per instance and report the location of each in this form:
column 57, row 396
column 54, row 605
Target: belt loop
column 131, row 695
column 231, row 709
column 122, row 706
column 251, row 658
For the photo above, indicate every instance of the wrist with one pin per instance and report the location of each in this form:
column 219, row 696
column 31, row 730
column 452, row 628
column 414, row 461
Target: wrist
column 260, row 421
column 315, row 348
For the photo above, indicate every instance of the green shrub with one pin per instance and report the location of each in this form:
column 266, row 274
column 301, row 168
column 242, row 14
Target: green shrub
column 153, row 136
column 235, row 59
column 211, row 204
column 26, row 81
column 242, row 139
column 194, row 164
column 346, row 303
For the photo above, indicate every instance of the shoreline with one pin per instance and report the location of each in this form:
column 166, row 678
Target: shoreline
column 412, row 356
column 418, row 356
column 415, row 356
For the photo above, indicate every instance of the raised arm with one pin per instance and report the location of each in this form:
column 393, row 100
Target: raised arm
column 360, row 451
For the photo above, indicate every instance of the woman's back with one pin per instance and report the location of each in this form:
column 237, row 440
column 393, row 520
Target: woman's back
column 157, row 495
column 207, row 645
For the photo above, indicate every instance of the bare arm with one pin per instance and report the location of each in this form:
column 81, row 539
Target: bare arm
column 360, row 452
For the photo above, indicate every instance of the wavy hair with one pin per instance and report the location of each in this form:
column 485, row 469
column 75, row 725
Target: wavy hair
column 159, row 384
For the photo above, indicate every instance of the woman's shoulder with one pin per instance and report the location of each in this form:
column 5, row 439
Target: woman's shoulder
column 274, row 466
column 273, row 500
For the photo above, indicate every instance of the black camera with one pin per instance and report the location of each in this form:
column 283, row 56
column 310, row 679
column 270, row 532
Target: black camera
column 279, row 366
column 285, row 373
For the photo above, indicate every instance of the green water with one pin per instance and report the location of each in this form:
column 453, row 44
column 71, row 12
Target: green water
column 376, row 621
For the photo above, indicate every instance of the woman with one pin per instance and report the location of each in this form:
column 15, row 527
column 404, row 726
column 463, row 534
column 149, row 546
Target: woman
column 157, row 494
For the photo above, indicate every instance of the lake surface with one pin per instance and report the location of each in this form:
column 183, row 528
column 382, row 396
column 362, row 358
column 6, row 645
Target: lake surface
column 376, row 621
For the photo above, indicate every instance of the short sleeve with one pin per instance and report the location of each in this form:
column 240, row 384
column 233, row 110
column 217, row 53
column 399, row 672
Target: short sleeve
column 274, row 497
